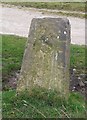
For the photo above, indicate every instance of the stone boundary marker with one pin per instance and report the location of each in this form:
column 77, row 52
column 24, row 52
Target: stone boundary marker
column 47, row 55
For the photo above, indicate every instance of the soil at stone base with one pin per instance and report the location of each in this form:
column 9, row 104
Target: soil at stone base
column 77, row 82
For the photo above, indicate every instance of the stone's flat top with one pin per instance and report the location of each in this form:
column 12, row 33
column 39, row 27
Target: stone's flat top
column 59, row 26
column 53, row 19
column 50, row 18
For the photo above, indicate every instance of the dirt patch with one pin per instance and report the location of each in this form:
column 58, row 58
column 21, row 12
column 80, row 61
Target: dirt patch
column 77, row 81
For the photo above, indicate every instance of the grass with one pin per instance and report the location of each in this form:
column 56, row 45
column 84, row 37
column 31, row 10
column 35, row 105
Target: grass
column 12, row 53
column 77, row 57
column 40, row 103
column 72, row 6
column 0, row 103
column 36, row 105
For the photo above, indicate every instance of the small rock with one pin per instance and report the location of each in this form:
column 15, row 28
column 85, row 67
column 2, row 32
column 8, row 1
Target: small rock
column 73, row 88
column 85, row 82
column 82, row 75
column 79, row 78
column 74, row 70
column 81, row 84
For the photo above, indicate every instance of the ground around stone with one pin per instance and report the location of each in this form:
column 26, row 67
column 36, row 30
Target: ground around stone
column 77, row 82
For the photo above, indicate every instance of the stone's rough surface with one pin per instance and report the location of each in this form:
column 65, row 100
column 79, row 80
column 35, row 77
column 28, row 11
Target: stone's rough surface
column 46, row 58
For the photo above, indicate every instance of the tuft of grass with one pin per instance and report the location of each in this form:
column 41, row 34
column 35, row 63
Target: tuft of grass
column 32, row 106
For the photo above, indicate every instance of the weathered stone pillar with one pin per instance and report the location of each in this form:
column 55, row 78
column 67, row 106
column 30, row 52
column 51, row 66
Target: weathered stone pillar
column 46, row 58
